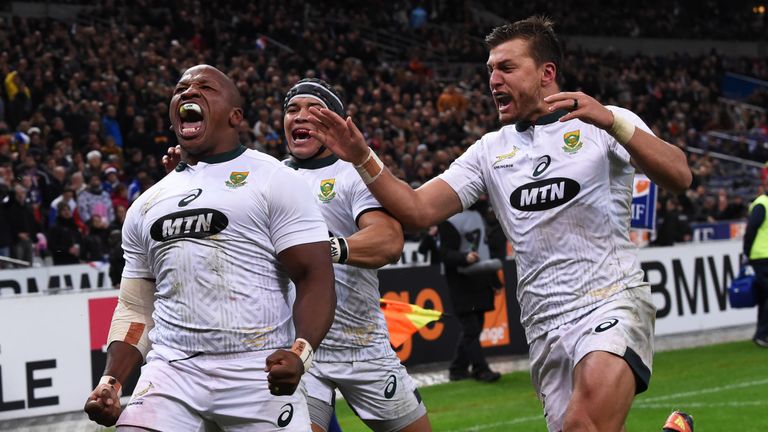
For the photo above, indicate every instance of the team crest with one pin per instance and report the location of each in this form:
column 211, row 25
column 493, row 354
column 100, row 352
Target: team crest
column 326, row 190
column 236, row 179
column 571, row 140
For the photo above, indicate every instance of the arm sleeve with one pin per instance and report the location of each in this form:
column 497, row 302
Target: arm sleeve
column 362, row 199
column 134, row 250
column 465, row 175
column 293, row 214
column 756, row 218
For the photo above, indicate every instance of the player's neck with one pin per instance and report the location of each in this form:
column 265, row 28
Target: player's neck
column 217, row 156
column 325, row 159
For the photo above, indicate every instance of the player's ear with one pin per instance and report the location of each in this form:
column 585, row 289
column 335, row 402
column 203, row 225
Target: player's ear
column 235, row 117
column 548, row 74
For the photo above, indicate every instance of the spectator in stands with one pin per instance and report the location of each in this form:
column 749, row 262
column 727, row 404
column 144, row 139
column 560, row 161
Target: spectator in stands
column 23, row 225
column 111, row 180
column 452, row 99
column 95, row 201
column 95, row 244
column 111, row 125
column 732, row 209
column 672, row 226
column 120, row 212
column 93, row 164
column 64, row 237
column 67, row 196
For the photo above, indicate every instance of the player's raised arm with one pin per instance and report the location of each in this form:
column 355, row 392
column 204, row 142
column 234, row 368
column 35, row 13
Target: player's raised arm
column 433, row 202
column 662, row 162
column 128, row 346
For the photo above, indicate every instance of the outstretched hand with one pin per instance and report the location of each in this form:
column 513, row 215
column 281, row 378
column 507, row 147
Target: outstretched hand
column 103, row 405
column 341, row 136
column 582, row 107
column 285, row 369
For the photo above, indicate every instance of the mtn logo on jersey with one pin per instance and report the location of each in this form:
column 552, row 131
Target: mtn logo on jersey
column 544, row 194
column 571, row 140
column 195, row 223
column 326, row 190
column 236, row 179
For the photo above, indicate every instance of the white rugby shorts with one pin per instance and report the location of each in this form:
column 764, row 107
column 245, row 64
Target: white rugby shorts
column 211, row 392
column 624, row 327
column 376, row 390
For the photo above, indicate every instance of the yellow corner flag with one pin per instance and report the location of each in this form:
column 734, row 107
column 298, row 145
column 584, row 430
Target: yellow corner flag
column 405, row 319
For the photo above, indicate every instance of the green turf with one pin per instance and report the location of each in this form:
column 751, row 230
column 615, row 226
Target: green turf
column 725, row 388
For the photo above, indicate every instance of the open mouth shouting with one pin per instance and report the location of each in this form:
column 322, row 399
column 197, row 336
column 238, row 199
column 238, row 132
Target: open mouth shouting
column 503, row 100
column 191, row 116
column 300, row 135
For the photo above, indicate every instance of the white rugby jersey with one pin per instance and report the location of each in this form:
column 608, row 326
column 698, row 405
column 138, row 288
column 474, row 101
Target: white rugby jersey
column 210, row 234
column 359, row 331
column 562, row 192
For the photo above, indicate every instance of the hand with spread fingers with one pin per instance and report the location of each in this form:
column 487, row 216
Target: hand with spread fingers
column 285, row 370
column 582, row 107
column 339, row 135
column 103, row 405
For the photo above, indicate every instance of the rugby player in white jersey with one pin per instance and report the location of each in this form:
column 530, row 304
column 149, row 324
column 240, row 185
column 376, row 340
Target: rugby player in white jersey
column 355, row 356
column 205, row 297
column 559, row 174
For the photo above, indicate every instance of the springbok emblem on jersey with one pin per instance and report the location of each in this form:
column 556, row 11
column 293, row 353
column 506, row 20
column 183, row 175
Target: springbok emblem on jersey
column 236, row 179
column 571, row 140
column 326, row 190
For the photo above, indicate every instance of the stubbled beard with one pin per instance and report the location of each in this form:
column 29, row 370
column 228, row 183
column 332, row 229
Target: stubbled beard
column 526, row 107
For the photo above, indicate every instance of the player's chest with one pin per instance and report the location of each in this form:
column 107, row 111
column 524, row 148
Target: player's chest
column 197, row 209
column 329, row 186
column 540, row 174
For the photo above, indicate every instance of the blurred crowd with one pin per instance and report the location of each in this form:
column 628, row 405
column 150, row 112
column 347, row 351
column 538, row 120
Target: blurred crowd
column 84, row 106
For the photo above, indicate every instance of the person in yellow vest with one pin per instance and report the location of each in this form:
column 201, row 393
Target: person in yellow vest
column 756, row 250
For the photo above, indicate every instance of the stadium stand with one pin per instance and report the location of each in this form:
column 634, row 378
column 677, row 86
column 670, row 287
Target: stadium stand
column 84, row 101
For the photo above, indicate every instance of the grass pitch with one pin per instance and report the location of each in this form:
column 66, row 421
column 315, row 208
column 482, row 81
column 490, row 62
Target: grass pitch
column 724, row 387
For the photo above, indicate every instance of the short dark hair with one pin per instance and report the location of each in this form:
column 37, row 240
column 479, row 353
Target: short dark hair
column 539, row 31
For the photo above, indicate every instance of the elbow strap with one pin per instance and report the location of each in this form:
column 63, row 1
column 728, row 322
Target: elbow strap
column 132, row 319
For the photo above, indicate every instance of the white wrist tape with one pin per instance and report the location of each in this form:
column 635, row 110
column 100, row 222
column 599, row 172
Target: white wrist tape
column 112, row 381
column 132, row 319
column 371, row 169
column 621, row 129
column 304, row 350
column 339, row 249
